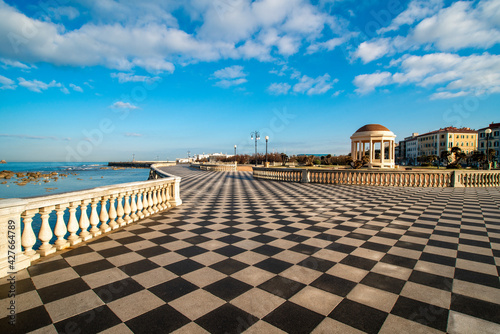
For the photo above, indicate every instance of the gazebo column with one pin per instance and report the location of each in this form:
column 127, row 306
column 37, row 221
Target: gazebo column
column 371, row 153
column 382, row 153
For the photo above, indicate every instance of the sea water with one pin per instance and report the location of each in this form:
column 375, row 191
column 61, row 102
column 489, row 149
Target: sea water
column 80, row 176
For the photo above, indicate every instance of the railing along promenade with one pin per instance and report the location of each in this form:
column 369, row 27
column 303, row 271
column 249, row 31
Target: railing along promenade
column 444, row 178
column 70, row 218
column 231, row 167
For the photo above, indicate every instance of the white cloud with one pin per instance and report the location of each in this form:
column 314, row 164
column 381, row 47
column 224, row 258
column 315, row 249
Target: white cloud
column 130, row 77
column 231, row 72
column 279, row 88
column 369, row 51
column 311, row 86
column 36, row 85
column 14, row 63
column 123, row 105
column 65, row 90
column 76, row 88
column 461, row 26
column 7, row 83
column 416, row 11
column 452, row 75
column 132, row 134
column 230, row 76
column 328, row 45
column 367, row 83
column 125, row 35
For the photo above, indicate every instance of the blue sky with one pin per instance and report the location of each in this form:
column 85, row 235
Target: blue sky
column 101, row 80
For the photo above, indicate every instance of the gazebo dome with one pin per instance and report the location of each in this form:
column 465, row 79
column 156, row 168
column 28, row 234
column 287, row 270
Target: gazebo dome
column 372, row 127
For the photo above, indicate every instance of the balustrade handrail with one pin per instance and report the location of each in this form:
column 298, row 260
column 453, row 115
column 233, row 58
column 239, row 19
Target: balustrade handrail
column 412, row 178
column 118, row 205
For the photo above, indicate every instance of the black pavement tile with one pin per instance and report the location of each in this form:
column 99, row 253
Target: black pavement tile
column 293, row 318
column 358, row 262
column 152, row 251
column 229, row 266
column 478, row 278
column 423, row 313
column 383, row 282
column 110, row 252
column 435, row 281
column 163, row 319
column 439, row 259
column 230, row 239
column 273, row 265
column 442, row 244
column 476, row 257
column 118, row 289
column 477, row 308
column 376, row 246
column 317, row 264
column 82, row 249
column 173, row 289
column 267, row 250
column 129, row 240
column 26, row 321
column 228, row 288
column 21, row 286
column 62, row 290
column 183, row 267
column 163, row 240
column 399, row 261
column 342, row 248
column 197, row 239
column 281, row 286
column 93, row 267
column 263, row 239
column 333, row 284
column 359, row 316
column 47, row 267
column 230, row 250
column 138, row 267
column 304, row 249
column 295, row 238
column 93, row 321
column 227, row 319
column 191, row 251
column 409, row 245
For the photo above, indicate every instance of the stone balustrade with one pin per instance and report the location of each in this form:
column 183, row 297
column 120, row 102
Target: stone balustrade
column 220, row 167
column 71, row 218
column 444, row 178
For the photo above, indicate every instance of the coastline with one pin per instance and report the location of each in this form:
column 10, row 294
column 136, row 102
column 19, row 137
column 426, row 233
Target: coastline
column 59, row 177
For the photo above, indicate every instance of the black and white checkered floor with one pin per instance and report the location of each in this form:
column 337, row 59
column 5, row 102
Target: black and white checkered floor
column 268, row 257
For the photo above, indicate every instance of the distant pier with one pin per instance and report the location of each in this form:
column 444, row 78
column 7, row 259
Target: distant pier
column 137, row 164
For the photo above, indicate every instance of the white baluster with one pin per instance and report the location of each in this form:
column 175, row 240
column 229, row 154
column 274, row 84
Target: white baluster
column 28, row 238
column 119, row 211
column 155, row 200
column 133, row 206
column 60, row 229
column 150, row 201
column 168, row 188
column 140, row 195
column 73, row 224
column 145, row 203
column 94, row 218
column 112, row 213
column 160, row 198
column 45, row 233
column 103, row 216
column 84, row 221
column 127, row 210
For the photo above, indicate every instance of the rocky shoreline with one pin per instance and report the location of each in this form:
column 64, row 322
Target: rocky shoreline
column 23, row 179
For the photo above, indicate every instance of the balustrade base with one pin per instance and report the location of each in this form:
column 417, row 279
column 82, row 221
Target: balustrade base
column 62, row 246
column 48, row 251
column 73, row 242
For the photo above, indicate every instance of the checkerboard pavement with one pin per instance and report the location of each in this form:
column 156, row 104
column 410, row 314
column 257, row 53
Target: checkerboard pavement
column 269, row 257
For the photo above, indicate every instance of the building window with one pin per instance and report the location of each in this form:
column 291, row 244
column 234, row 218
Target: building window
column 482, row 144
column 495, row 133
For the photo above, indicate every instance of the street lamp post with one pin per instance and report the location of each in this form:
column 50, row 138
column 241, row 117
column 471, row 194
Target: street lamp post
column 234, row 149
column 267, row 139
column 488, row 132
column 255, row 135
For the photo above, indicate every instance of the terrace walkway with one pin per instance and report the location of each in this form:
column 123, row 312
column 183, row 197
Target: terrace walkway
column 270, row 257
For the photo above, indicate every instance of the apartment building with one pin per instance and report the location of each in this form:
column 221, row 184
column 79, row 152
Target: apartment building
column 492, row 141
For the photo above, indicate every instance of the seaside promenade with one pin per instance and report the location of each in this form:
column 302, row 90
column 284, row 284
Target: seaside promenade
column 269, row 257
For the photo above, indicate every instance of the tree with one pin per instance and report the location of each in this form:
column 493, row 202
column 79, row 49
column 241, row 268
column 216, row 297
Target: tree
column 445, row 156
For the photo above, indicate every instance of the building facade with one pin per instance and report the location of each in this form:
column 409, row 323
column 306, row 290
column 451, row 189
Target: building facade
column 438, row 141
column 492, row 141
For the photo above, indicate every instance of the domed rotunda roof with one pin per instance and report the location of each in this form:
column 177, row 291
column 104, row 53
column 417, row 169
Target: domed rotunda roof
column 372, row 127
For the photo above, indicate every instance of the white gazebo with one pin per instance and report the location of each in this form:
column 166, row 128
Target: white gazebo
column 371, row 137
